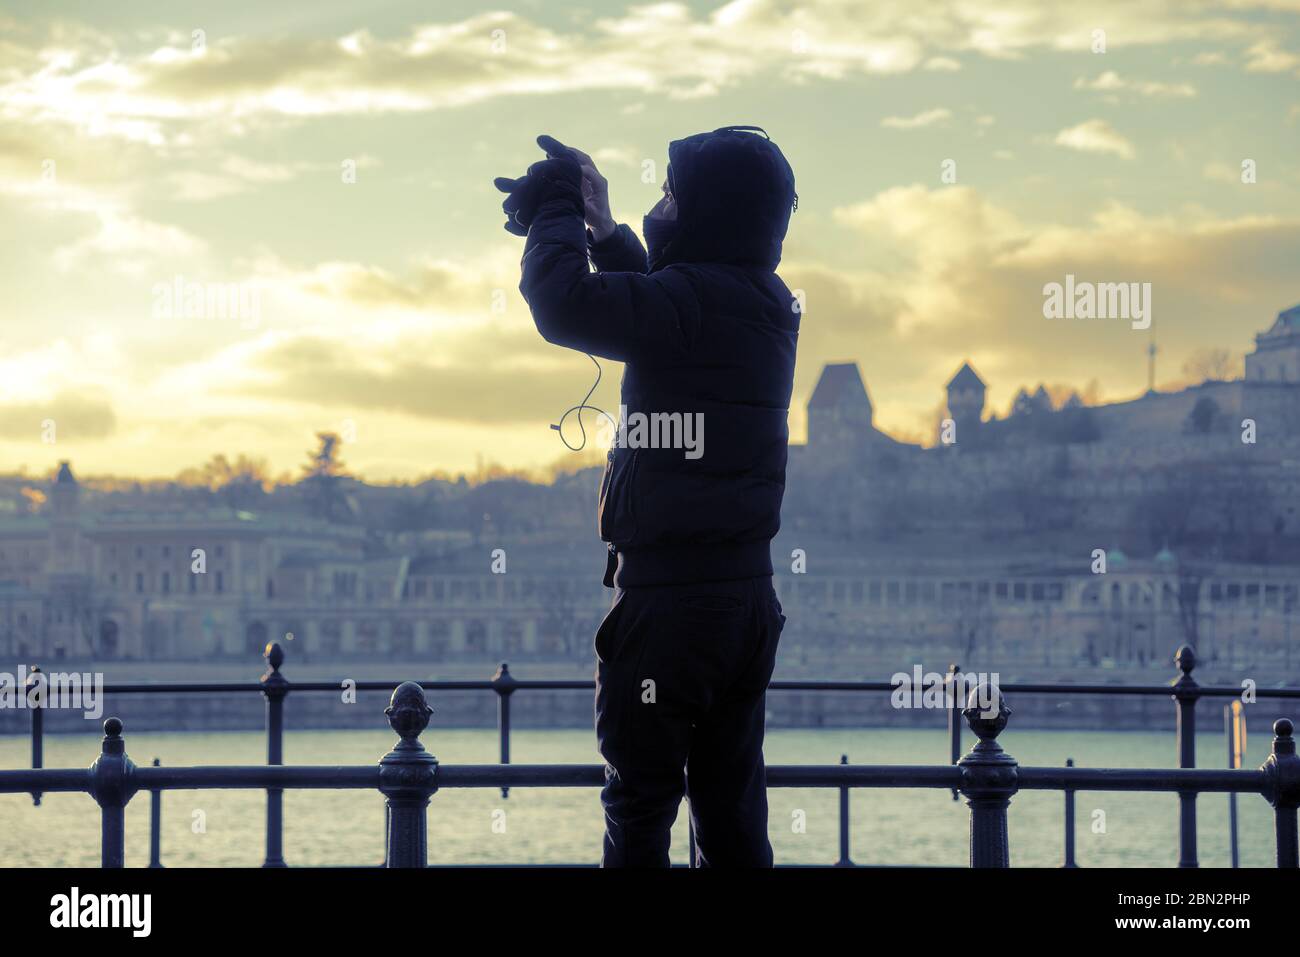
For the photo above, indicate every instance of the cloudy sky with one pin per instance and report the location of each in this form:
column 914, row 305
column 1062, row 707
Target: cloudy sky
column 332, row 162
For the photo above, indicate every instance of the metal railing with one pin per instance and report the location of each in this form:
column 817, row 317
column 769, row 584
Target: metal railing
column 408, row 775
column 1184, row 691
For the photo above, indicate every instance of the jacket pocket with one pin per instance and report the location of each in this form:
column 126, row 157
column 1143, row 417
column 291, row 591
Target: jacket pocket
column 608, row 631
column 617, row 499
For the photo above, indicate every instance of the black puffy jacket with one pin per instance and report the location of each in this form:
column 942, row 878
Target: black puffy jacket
column 711, row 329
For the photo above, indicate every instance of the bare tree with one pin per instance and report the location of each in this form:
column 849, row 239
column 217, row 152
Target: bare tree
column 239, row 484
column 562, row 617
column 1212, row 365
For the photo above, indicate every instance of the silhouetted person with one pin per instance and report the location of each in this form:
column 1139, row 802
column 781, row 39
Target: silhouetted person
column 703, row 326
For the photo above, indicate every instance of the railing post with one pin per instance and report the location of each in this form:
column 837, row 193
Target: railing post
column 1282, row 773
column 988, row 778
column 274, row 686
column 1234, row 761
column 38, row 727
column 112, row 783
column 155, row 824
column 954, row 716
column 1069, row 822
column 845, row 860
column 407, row 777
column 504, row 684
column 1186, row 692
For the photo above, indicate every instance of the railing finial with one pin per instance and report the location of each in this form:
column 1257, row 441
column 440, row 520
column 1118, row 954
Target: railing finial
column 274, row 685
column 38, row 726
column 112, row 783
column 275, row 688
column 407, row 776
column 1186, row 692
column 1282, row 789
column 408, row 715
column 113, row 743
column 986, row 712
column 989, row 777
column 1283, row 743
column 503, row 682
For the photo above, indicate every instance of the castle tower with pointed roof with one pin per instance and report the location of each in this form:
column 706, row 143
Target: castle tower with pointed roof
column 839, row 411
column 966, row 400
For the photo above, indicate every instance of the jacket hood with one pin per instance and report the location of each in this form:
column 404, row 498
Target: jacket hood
column 734, row 193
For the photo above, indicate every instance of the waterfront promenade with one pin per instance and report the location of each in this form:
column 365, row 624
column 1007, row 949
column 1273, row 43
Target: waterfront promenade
column 987, row 775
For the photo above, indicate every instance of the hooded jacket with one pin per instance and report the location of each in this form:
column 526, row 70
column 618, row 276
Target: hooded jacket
column 707, row 327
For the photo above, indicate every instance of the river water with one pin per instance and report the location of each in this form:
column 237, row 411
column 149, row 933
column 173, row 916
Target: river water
column 563, row 826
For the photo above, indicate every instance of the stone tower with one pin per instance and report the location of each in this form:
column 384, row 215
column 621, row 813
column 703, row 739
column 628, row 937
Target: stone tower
column 65, row 523
column 966, row 401
column 68, row 615
column 839, row 411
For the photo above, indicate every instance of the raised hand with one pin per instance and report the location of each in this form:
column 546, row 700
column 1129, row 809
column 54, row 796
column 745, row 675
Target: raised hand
column 519, row 190
column 554, row 177
column 595, row 188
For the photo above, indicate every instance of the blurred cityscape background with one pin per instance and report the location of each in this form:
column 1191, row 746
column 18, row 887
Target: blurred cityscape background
column 1060, row 540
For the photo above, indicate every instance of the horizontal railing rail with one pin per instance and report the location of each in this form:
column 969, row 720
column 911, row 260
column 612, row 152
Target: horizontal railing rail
column 408, row 776
column 330, row 777
column 587, row 684
column 275, row 687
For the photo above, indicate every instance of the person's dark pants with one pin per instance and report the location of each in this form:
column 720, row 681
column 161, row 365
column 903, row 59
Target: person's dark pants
column 681, row 682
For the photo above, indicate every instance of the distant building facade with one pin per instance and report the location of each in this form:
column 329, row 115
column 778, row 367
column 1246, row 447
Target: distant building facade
column 1242, row 433
column 222, row 583
column 1277, row 351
